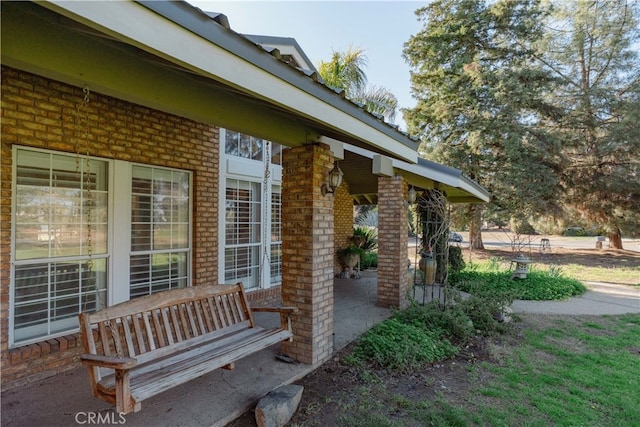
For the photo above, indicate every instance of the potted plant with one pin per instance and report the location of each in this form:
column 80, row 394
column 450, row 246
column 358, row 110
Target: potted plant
column 349, row 256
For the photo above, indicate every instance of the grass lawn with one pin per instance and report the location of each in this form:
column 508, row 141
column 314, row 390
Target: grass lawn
column 567, row 371
column 549, row 370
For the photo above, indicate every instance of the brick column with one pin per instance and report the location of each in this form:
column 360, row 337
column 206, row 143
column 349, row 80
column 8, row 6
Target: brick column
column 392, row 242
column 343, row 221
column 308, row 252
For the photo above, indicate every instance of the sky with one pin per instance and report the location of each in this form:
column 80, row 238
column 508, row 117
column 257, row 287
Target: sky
column 380, row 28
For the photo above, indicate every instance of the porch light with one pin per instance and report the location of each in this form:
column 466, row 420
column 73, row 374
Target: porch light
column 412, row 195
column 335, row 179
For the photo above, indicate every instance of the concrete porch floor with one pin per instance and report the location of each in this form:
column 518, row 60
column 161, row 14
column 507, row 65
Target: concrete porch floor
column 214, row 399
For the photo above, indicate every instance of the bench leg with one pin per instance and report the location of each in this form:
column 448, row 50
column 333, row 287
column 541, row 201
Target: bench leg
column 229, row 367
column 124, row 402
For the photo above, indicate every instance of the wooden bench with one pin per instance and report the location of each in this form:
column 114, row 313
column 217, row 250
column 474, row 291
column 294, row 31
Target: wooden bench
column 149, row 344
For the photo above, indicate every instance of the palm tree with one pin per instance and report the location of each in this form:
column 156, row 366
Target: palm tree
column 346, row 71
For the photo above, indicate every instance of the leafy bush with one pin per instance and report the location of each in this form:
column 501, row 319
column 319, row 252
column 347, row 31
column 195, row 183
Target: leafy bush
column 575, row 232
column 539, row 285
column 456, row 260
column 396, row 345
column 369, row 260
column 521, row 226
column 369, row 235
column 451, row 320
column 422, row 334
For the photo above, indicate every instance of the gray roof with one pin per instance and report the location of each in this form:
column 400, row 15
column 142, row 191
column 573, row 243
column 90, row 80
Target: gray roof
column 208, row 26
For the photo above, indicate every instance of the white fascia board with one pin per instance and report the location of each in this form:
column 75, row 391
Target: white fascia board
column 337, row 147
column 131, row 22
column 431, row 174
column 434, row 175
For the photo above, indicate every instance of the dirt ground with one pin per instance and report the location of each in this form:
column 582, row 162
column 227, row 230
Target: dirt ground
column 327, row 389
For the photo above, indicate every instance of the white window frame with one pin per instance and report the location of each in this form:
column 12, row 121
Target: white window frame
column 267, row 175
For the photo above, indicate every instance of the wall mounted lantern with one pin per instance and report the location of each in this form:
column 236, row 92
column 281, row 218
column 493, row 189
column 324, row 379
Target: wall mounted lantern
column 412, row 195
column 335, row 179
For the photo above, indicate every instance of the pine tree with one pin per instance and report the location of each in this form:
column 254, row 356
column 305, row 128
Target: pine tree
column 592, row 51
column 480, row 97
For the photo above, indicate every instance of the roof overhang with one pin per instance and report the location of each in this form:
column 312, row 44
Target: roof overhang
column 358, row 164
column 187, row 39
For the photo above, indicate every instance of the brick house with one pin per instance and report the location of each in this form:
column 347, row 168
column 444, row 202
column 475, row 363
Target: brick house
column 146, row 146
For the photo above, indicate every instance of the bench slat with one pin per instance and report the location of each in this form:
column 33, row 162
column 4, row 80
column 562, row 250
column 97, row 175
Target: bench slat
column 104, row 338
column 192, row 322
column 220, row 312
column 147, row 327
column 167, row 325
column 206, row 314
column 224, row 300
column 214, row 313
column 126, row 327
column 197, row 306
column 135, row 319
column 159, row 333
column 176, row 324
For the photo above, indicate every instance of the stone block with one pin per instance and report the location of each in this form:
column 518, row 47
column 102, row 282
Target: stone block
column 277, row 407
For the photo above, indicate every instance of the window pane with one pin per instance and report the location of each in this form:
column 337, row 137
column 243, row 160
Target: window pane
column 60, row 211
column 53, row 213
column 49, row 296
column 231, row 142
column 275, row 254
column 157, row 272
column 159, row 223
column 245, row 146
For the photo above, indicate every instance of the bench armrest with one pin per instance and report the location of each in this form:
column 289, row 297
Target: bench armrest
column 285, row 310
column 109, row 361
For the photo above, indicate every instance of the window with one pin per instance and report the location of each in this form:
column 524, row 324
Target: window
column 252, row 243
column 241, row 145
column 159, row 230
column 242, row 233
column 60, row 235
column 74, row 248
column 276, row 236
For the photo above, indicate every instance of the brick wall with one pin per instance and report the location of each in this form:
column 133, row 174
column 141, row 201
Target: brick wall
column 39, row 112
column 265, row 297
column 392, row 242
column 343, row 220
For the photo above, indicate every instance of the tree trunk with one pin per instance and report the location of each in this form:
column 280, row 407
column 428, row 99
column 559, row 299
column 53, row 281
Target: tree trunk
column 475, row 227
column 615, row 239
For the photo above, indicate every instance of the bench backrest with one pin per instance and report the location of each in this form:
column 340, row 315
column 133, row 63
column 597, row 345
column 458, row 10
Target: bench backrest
column 157, row 324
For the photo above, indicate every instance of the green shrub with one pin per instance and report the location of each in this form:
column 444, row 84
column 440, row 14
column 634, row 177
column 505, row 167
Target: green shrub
column 369, row 235
column 456, row 260
column 451, row 320
column 396, row 345
column 369, row 260
column 521, row 226
column 539, row 285
column 422, row 334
